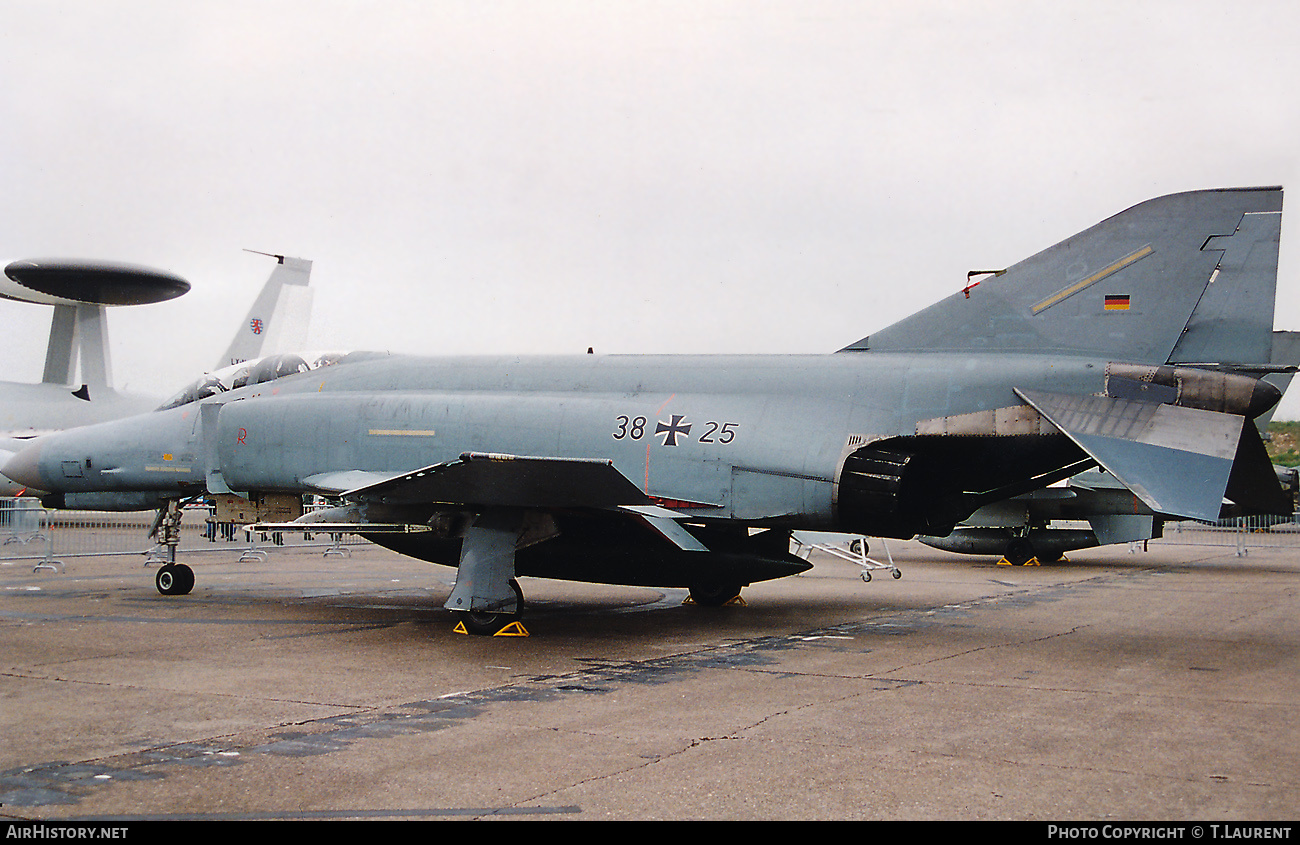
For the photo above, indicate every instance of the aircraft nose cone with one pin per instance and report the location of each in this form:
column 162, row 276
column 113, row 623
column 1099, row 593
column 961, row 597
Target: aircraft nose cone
column 25, row 467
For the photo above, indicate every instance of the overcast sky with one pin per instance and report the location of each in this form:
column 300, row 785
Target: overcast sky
column 540, row 177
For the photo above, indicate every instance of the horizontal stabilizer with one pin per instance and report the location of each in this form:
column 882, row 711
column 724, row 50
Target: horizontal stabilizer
column 1177, row 460
column 491, row 480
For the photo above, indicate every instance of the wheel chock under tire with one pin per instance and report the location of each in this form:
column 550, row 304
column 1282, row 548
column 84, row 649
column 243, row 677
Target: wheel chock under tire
column 738, row 601
column 512, row 629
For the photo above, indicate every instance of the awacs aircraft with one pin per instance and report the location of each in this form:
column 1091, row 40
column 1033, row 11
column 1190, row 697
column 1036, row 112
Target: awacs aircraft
column 692, row 471
column 81, row 291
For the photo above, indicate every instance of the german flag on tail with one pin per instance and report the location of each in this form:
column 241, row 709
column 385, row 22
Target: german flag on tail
column 1116, row 302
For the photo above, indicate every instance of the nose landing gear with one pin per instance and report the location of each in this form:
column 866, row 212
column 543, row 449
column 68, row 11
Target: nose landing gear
column 174, row 579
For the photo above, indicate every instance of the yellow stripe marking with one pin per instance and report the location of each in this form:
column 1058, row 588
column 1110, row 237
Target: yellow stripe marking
column 1093, row 279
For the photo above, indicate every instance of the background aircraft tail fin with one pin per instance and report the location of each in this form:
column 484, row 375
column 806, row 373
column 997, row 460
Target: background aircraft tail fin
column 278, row 320
column 1187, row 277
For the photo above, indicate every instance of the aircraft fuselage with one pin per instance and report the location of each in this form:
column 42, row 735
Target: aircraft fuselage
column 759, row 439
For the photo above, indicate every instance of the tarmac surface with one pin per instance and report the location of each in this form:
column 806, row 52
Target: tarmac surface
column 1147, row 685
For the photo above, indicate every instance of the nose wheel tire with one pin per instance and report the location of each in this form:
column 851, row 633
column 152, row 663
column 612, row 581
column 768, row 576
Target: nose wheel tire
column 174, row 579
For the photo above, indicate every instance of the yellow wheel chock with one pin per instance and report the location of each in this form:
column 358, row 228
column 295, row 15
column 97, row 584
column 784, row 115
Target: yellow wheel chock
column 513, row 629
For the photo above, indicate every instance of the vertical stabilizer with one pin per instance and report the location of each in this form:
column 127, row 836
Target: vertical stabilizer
column 278, row 320
column 1185, row 277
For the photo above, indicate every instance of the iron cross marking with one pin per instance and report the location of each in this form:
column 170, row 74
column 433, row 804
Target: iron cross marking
column 673, row 429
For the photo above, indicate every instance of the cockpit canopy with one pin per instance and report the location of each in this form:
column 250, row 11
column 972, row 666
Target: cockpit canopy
column 258, row 371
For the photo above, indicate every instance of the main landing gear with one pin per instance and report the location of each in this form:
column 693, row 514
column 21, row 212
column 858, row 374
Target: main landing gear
column 1021, row 552
column 489, row 624
column 715, row 595
column 486, row 599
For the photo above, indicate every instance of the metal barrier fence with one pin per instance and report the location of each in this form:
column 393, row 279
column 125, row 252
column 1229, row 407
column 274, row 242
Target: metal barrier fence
column 1242, row 533
column 25, row 531
column 29, row 531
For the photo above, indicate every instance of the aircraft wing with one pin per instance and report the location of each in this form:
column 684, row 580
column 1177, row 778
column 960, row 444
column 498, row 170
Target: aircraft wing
column 509, row 481
column 491, row 481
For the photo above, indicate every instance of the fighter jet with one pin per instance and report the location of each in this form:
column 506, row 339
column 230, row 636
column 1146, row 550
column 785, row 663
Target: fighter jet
column 81, row 291
column 691, row 471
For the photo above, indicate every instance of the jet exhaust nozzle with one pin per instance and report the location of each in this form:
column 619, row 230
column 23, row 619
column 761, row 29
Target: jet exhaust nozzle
column 1190, row 387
